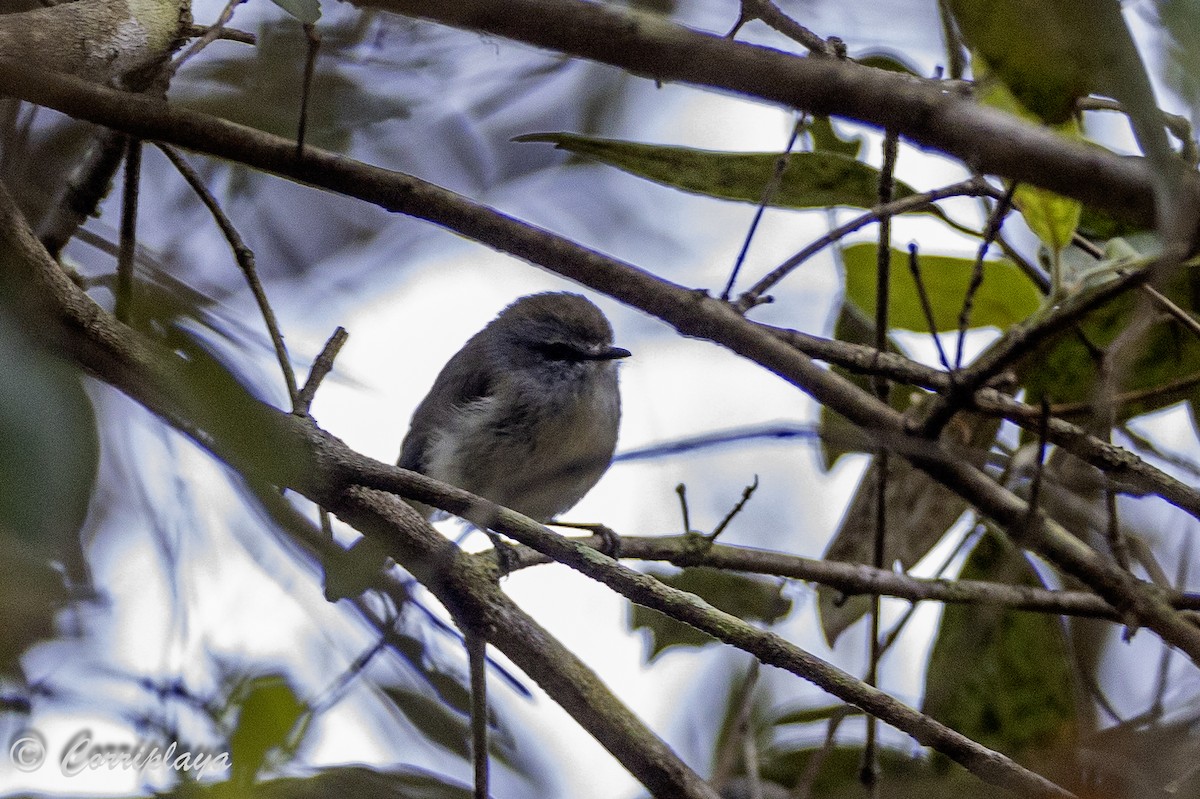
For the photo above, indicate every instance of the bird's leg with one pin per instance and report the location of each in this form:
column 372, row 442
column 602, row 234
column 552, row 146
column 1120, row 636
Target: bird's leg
column 610, row 542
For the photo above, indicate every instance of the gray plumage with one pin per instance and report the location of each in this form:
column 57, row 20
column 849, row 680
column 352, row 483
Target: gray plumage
column 526, row 413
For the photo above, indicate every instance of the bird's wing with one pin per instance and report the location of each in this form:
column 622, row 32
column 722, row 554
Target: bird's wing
column 466, row 377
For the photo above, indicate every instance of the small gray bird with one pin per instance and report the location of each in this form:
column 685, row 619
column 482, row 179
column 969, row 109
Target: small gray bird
column 526, row 413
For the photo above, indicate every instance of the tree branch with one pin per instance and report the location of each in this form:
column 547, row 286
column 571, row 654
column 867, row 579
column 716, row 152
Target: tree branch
column 691, row 312
column 988, row 141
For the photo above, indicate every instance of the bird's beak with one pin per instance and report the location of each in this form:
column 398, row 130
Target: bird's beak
column 610, row 354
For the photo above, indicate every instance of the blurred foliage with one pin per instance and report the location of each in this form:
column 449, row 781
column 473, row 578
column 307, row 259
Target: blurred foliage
column 270, row 718
column 1052, row 217
column 1181, row 26
column 49, row 446
column 308, row 11
column 1003, row 678
column 49, row 456
column 260, row 86
column 399, row 783
column 1065, row 369
column 748, row 597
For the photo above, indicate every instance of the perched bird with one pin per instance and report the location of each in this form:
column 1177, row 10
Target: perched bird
column 526, row 413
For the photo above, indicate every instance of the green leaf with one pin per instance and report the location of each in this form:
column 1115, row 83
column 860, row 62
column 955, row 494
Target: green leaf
column 269, row 716
column 1005, row 297
column 49, row 448
column 434, row 720
column 745, row 596
column 887, row 60
column 1037, row 48
column 1164, row 368
column 1001, row 677
column 826, row 139
column 811, row 180
column 307, row 11
column 1052, row 217
column 809, row 715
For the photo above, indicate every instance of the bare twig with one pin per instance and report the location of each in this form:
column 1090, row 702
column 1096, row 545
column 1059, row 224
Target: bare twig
column 869, row 772
column 210, row 35
column 476, row 646
column 129, row 211
column 681, row 490
column 812, row 769
column 770, row 13
column 226, row 34
column 781, row 165
column 245, row 261
column 914, row 266
column 1116, row 536
column 968, row 188
column 747, row 492
column 995, row 221
column 313, row 37
column 321, row 367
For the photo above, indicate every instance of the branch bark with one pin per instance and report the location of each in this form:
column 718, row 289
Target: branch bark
column 692, row 312
column 988, row 141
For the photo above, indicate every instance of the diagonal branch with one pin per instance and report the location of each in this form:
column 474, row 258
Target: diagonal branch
column 692, row 313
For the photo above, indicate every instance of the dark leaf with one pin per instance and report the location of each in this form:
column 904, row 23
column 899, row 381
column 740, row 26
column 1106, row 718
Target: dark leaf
column 811, row 180
column 1003, row 678
column 747, row 597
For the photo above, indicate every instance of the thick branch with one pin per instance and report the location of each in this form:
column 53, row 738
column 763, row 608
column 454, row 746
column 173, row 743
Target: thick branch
column 272, row 446
column 988, row 141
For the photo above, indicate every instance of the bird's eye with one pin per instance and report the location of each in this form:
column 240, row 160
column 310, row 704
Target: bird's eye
column 558, row 351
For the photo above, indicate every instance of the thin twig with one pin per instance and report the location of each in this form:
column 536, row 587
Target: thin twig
column 321, row 367
column 973, row 187
column 914, row 266
column 1017, row 342
column 1163, row 301
column 869, row 772
column 681, row 490
column 781, row 165
column 1039, row 466
column 245, row 261
column 747, row 492
column 211, row 35
column 476, row 646
column 1179, row 126
column 313, row 38
column 1116, row 536
column 129, row 211
column 770, row 13
column 225, row 34
column 994, row 223
column 856, row 579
